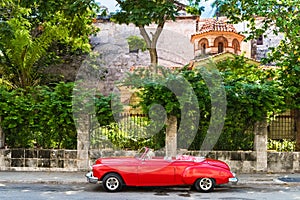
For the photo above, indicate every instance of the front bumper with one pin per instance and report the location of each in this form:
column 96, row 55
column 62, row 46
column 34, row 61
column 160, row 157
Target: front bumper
column 233, row 180
column 90, row 178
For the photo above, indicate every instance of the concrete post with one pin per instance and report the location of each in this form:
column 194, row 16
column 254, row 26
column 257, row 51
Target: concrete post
column 83, row 142
column 171, row 136
column 260, row 145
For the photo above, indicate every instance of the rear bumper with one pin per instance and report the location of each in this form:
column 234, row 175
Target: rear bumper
column 90, row 178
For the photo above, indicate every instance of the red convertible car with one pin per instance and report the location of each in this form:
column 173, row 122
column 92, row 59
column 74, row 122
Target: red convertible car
column 146, row 170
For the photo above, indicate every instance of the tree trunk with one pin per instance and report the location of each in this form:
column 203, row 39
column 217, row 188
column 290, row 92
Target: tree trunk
column 171, row 136
column 153, row 57
column 152, row 42
column 297, row 122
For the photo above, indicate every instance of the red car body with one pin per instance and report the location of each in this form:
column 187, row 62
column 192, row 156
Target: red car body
column 146, row 170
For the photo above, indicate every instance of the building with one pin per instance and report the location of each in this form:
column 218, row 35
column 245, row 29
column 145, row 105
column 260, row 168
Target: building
column 216, row 37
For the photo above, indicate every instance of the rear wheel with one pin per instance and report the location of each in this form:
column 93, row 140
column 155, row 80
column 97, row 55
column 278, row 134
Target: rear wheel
column 112, row 182
column 205, row 184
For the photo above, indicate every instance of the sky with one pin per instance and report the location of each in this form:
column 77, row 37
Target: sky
column 111, row 5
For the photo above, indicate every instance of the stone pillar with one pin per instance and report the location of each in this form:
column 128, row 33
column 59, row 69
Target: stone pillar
column 296, row 114
column 83, row 142
column 2, row 136
column 260, row 145
column 171, row 136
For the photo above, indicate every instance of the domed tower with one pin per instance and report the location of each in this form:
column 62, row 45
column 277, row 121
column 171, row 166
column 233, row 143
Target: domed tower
column 215, row 37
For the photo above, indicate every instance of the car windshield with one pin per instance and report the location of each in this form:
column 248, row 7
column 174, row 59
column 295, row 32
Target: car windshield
column 142, row 152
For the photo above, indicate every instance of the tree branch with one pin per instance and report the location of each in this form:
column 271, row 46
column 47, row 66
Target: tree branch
column 157, row 33
column 145, row 36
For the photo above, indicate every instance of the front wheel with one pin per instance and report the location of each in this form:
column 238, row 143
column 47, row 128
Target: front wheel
column 205, row 185
column 112, row 182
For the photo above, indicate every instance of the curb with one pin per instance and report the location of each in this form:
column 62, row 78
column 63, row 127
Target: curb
column 61, row 178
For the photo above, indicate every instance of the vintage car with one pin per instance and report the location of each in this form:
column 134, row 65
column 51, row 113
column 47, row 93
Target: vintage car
column 146, row 170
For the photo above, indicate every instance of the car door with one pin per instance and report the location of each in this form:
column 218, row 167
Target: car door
column 156, row 172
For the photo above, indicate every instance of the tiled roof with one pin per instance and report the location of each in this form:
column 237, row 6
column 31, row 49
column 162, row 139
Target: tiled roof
column 216, row 25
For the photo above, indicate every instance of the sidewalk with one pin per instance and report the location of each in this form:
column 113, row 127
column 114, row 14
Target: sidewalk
column 79, row 178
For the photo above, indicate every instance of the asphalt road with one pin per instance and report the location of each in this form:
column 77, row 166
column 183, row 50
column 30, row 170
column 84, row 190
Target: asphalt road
column 11, row 191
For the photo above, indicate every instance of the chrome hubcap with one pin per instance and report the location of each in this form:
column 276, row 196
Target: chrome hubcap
column 205, row 183
column 112, row 183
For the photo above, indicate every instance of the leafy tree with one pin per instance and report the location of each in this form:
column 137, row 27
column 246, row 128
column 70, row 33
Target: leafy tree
column 144, row 12
column 251, row 95
column 281, row 17
column 166, row 97
column 194, row 7
column 29, row 28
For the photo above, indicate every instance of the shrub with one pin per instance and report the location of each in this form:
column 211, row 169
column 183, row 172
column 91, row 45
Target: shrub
column 136, row 43
column 281, row 145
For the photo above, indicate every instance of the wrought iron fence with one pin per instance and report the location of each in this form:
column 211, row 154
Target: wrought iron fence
column 128, row 127
column 282, row 127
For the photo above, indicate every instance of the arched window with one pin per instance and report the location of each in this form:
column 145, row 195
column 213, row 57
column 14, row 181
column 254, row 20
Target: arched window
column 203, row 45
column 203, row 49
column 221, row 43
column 220, row 47
column 235, row 46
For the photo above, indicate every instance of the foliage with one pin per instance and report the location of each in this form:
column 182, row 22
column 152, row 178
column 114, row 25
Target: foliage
column 252, row 94
column 281, row 145
column 144, row 12
column 29, row 28
column 136, row 43
column 42, row 116
column 281, row 17
column 133, row 138
column 105, row 110
column 194, row 7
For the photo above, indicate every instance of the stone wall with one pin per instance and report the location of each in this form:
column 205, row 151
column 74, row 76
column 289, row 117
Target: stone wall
column 284, row 162
column 38, row 159
column 66, row 160
column 239, row 161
